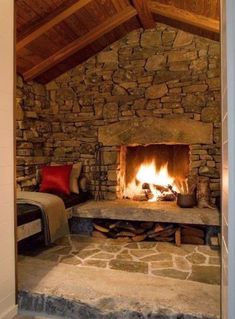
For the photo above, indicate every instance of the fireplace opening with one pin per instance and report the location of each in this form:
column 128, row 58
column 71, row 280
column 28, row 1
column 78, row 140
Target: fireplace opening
column 150, row 172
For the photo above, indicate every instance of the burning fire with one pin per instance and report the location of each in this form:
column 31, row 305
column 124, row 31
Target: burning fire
column 150, row 181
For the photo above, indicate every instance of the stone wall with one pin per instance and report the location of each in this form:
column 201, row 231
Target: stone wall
column 33, row 127
column 160, row 73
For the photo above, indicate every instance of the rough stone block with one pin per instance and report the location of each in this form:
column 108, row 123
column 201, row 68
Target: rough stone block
column 156, row 131
column 151, row 39
column 156, row 91
column 211, row 114
column 182, row 56
column 168, row 37
column 110, row 110
column 199, row 65
column 194, row 103
column 155, row 62
column 183, row 39
column 107, row 57
column 109, row 158
column 195, row 88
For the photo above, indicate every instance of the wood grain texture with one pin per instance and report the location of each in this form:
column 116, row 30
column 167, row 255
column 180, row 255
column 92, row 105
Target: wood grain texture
column 30, row 13
column 49, row 22
column 184, row 16
column 80, row 43
column 207, row 8
column 144, row 13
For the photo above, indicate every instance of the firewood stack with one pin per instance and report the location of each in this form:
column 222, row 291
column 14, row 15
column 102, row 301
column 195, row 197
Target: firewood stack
column 134, row 231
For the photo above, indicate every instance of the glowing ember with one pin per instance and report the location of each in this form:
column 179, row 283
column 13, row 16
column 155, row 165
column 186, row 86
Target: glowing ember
column 157, row 182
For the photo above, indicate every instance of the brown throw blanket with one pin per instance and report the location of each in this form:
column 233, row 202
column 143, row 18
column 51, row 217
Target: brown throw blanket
column 54, row 215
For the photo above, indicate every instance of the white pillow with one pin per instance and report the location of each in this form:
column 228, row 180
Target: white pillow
column 75, row 173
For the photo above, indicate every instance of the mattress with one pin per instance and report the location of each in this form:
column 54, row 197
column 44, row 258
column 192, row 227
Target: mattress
column 29, row 217
column 26, row 213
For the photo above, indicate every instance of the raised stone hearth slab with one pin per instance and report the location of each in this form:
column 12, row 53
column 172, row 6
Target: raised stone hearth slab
column 165, row 212
column 152, row 130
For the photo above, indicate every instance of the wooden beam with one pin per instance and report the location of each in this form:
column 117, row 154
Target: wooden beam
column 49, row 22
column 144, row 13
column 184, row 16
column 80, row 43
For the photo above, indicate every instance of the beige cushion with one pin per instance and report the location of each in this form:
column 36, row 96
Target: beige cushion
column 75, row 173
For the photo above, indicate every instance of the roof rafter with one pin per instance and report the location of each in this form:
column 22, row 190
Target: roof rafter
column 184, row 16
column 81, row 42
column 144, row 13
column 49, row 22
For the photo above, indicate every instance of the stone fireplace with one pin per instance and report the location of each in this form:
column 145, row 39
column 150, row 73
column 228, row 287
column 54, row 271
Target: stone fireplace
column 172, row 147
column 152, row 87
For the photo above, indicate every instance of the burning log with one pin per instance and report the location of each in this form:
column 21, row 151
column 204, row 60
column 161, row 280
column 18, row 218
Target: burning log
column 167, row 197
column 140, row 198
column 166, row 192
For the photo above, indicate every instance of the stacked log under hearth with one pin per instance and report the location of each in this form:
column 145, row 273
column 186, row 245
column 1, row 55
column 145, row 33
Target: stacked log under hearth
column 135, row 231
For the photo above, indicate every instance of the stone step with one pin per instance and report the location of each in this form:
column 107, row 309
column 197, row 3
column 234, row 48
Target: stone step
column 83, row 292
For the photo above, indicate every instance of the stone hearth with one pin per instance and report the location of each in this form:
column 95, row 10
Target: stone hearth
column 165, row 212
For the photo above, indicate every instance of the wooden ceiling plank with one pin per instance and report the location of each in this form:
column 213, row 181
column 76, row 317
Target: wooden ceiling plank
column 120, row 4
column 81, row 43
column 184, row 16
column 49, row 22
column 144, row 13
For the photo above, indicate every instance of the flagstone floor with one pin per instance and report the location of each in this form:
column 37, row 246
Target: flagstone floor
column 188, row 262
column 84, row 277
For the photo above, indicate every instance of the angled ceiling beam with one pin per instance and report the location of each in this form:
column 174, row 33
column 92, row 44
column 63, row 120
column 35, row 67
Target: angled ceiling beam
column 184, row 16
column 81, row 42
column 49, row 22
column 144, row 13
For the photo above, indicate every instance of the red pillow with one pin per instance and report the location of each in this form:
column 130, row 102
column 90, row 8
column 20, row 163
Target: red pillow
column 56, row 179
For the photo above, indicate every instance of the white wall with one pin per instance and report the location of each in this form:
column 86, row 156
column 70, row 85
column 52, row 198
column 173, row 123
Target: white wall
column 228, row 146
column 7, row 250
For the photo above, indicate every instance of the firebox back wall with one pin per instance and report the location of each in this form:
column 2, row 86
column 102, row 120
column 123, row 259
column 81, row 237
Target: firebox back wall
column 160, row 73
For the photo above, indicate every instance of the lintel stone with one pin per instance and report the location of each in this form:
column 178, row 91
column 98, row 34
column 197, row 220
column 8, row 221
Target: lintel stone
column 151, row 131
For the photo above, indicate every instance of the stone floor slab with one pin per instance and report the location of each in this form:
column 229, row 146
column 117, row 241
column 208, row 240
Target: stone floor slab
column 86, row 292
column 81, row 251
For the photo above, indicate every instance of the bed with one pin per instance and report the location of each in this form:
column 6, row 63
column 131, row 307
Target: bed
column 29, row 217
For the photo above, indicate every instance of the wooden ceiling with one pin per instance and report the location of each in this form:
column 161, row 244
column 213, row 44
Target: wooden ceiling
column 56, row 35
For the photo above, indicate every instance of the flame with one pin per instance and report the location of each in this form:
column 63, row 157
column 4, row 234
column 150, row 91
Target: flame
column 147, row 173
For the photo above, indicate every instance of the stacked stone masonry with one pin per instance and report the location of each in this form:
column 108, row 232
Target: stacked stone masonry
column 160, row 73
